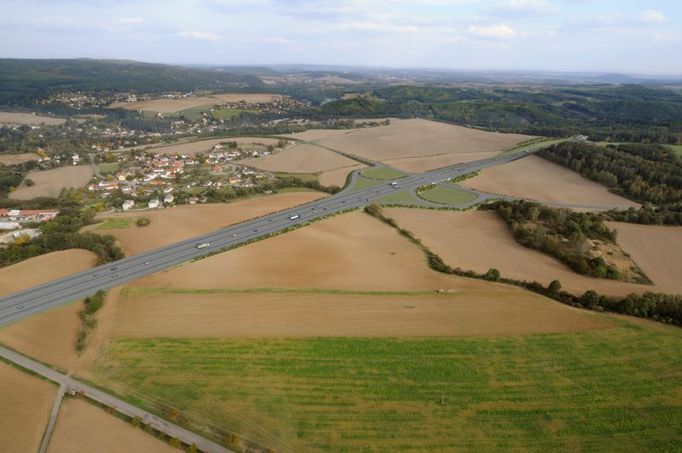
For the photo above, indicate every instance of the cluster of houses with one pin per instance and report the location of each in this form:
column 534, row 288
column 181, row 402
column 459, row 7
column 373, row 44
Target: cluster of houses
column 14, row 223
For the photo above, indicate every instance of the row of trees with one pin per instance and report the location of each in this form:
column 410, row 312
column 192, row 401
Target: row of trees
column 62, row 233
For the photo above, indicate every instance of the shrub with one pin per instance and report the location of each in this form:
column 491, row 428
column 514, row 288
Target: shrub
column 143, row 221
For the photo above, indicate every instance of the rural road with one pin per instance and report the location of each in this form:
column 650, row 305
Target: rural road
column 67, row 382
column 40, row 298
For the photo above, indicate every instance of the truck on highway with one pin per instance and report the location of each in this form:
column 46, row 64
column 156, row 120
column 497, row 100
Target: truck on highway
column 294, row 216
column 394, row 184
column 203, row 245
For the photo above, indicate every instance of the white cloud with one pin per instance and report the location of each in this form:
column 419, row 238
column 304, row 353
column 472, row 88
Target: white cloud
column 522, row 7
column 130, row 20
column 493, row 31
column 651, row 16
column 199, row 35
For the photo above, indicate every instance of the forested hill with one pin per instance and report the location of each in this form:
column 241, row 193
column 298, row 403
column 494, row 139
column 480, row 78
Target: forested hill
column 22, row 82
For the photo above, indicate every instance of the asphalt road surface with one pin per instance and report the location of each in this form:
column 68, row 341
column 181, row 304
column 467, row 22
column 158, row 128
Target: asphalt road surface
column 77, row 286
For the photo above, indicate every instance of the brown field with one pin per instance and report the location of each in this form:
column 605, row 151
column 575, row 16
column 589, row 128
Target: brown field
column 314, row 135
column 14, row 159
column 477, row 312
column 306, row 159
column 84, row 428
column 26, row 402
column 657, row 250
column 427, row 144
column 175, row 105
column 479, row 240
column 337, row 177
column 202, row 146
column 538, row 179
column 50, row 336
column 183, row 222
column 351, row 251
column 29, row 119
column 50, row 183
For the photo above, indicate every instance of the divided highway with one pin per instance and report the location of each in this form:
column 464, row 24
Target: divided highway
column 43, row 297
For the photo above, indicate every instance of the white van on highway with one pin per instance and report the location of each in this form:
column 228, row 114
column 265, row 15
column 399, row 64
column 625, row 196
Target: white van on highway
column 294, row 216
column 203, row 245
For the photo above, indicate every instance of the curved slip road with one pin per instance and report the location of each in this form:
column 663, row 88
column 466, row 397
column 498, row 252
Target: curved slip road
column 39, row 298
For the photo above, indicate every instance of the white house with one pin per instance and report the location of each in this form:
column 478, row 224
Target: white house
column 153, row 204
column 128, row 204
column 168, row 198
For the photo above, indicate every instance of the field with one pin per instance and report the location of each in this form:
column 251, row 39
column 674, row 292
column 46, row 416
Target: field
column 416, row 145
column 382, row 173
column 26, row 403
column 228, row 114
column 14, row 159
column 676, row 148
column 50, row 183
column 538, row 179
column 351, row 251
column 108, row 167
column 176, row 105
column 656, row 249
column 29, row 119
column 183, row 222
column 117, row 223
column 303, row 158
column 50, row 336
column 338, row 176
column 154, row 312
column 82, row 427
column 479, row 240
column 588, row 391
column 447, row 195
column 203, row 146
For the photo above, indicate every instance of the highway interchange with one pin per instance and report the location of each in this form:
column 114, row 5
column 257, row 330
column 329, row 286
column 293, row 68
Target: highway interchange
column 43, row 297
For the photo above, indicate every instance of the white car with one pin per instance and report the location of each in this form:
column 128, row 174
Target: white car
column 203, row 245
column 294, row 216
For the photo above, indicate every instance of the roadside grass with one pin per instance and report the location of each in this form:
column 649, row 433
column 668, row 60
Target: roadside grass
column 609, row 389
column 402, row 197
column 228, row 114
column 117, row 223
column 363, row 183
column 446, row 195
column 139, row 291
column 382, row 173
column 534, row 144
column 108, row 168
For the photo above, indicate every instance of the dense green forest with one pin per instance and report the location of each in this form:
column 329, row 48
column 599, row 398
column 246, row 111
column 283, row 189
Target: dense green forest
column 649, row 174
column 618, row 113
column 562, row 233
column 23, row 82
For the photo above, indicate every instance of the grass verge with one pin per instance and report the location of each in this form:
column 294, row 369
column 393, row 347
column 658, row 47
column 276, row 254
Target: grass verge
column 446, row 195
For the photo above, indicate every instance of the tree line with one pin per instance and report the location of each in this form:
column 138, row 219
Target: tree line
column 649, row 174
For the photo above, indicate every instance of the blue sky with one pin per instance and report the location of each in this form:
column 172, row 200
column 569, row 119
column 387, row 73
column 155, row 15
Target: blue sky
column 643, row 37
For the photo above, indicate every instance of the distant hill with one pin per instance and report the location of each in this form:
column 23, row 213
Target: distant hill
column 22, row 82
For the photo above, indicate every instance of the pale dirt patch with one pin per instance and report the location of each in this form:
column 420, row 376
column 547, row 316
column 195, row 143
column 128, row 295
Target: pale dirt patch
column 176, row 105
column 14, row 159
column 84, row 428
column 183, row 222
column 480, row 240
column 414, row 138
column 657, row 250
column 495, row 311
column 314, row 135
column 29, row 119
column 49, row 336
column 422, row 164
column 338, row 176
column 350, row 251
column 50, row 183
column 538, row 179
column 26, row 402
column 301, row 158
column 204, row 146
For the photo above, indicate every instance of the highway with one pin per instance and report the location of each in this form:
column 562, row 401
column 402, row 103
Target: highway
column 31, row 301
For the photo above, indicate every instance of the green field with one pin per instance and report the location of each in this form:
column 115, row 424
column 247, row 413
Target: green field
column 443, row 195
column 363, row 183
column 193, row 113
column 117, row 223
column 108, row 167
column 614, row 389
column 676, row 148
column 228, row 114
column 382, row 173
column 402, row 197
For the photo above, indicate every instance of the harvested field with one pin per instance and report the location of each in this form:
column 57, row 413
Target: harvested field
column 657, row 250
column 584, row 391
column 203, row 146
column 538, row 179
column 29, row 119
column 50, row 336
column 416, row 144
column 183, row 222
column 302, row 159
column 26, row 401
column 50, row 183
column 176, row 105
column 14, row 159
column 480, row 240
column 84, row 428
column 351, row 251
column 338, row 176
column 197, row 313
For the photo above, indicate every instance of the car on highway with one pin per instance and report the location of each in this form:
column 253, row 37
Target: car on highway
column 19, row 307
column 394, row 184
column 146, row 263
column 203, row 245
column 294, row 216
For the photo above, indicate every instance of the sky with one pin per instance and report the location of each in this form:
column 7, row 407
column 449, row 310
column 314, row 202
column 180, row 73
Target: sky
column 637, row 37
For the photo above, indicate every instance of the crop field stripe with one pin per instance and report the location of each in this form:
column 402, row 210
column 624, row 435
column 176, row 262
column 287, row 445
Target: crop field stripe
column 554, row 391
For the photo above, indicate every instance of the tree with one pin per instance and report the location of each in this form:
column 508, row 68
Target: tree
column 492, row 275
column 554, row 287
column 143, row 222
